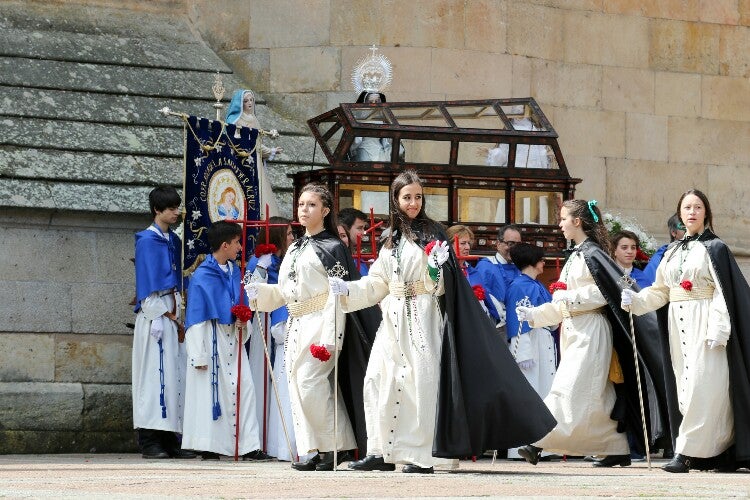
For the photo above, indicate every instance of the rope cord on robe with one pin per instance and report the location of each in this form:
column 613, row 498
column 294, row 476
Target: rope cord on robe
column 215, row 406
column 162, row 402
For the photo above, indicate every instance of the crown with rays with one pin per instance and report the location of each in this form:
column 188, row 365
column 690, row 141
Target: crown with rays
column 372, row 73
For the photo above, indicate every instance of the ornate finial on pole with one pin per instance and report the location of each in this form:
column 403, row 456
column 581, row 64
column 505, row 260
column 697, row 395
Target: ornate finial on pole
column 218, row 90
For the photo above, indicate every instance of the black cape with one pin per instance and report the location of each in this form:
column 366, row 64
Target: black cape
column 484, row 400
column 359, row 334
column 737, row 297
column 659, row 397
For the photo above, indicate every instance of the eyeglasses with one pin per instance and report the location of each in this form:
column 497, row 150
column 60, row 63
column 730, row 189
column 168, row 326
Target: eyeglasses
column 510, row 243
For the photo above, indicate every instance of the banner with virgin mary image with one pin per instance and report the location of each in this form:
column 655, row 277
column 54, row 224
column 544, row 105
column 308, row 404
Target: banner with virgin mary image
column 221, row 183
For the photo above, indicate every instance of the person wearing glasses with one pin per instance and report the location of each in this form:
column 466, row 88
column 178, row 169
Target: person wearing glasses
column 498, row 271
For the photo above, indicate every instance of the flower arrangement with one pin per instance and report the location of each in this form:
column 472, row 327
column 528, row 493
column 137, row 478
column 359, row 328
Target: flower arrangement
column 617, row 223
column 557, row 285
column 479, row 292
column 265, row 248
column 320, row 352
column 242, row 312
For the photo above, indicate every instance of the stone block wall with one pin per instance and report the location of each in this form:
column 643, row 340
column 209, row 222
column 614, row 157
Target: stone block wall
column 650, row 98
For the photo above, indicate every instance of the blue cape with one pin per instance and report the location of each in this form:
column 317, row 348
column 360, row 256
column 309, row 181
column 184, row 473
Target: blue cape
column 157, row 264
column 234, row 111
column 212, row 293
column 649, row 272
column 523, row 286
column 282, row 313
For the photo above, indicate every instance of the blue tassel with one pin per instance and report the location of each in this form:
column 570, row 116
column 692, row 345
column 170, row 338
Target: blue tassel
column 217, row 411
column 161, row 400
column 163, row 412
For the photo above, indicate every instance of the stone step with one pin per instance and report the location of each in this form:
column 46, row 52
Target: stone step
column 108, row 49
column 126, row 109
column 63, row 75
column 164, row 141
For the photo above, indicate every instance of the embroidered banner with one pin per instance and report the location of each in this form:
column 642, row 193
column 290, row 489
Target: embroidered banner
column 221, row 174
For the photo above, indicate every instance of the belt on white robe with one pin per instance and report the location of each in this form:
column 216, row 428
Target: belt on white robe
column 567, row 313
column 309, row 306
column 679, row 294
column 407, row 288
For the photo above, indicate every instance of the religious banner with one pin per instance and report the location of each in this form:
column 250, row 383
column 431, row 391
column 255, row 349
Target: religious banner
column 221, row 182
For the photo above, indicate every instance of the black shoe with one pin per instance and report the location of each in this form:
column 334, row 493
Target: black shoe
column 308, row 464
column 415, row 469
column 326, row 460
column 530, row 453
column 258, row 456
column 371, row 462
column 154, row 451
column 612, row 460
column 180, row 453
column 679, row 464
column 210, row 455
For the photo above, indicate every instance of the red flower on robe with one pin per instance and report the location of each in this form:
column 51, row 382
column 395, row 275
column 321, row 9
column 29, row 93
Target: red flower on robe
column 242, row 312
column 479, row 292
column 687, row 285
column 557, row 285
column 320, row 352
column 265, row 248
column 428, row 248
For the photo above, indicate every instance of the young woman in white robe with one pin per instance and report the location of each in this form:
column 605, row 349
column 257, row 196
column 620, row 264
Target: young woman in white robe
column 314, row 320
column 582, row 395
column 699, row 329
column 400, row 390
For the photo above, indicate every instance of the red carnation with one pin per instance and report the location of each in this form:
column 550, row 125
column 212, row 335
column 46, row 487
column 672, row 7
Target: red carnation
column 641, row 256
column 265, row 248
column 320, row 352
column 428, row 248
column 687, row 285
column 242, row 312
column 479, row 292
column 557, row 285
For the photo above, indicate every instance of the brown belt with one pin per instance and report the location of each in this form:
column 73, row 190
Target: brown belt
column 172, row 316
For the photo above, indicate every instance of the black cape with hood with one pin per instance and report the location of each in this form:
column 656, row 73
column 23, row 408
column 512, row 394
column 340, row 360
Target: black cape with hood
column 359, row 334
column 737, row 297
column 659, row 397
column 484, row 400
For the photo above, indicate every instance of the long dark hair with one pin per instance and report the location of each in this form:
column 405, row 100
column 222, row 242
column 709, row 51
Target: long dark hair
column 276, row 234
column 708, row 222
column 329, row 221
column 421, row 226
column 591, row 221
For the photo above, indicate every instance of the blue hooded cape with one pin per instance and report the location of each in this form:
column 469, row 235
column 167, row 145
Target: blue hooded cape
column 282, row 313
column 158, row 264
column 212, row 293
column 523, row 286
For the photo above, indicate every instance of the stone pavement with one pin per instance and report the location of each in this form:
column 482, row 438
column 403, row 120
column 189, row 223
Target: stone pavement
column 129, row 476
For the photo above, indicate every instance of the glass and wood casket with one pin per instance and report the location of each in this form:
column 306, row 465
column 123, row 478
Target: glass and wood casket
column 486, row 163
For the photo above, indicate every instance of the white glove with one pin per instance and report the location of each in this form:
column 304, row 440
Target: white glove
column 251, row 289
column 338, row 286
column 524, row 313
column 713, row 344
column 560, row 296
column 438, row 255
column 265, row 261
column 157, row 327
column 526, row 364
column 626, row 299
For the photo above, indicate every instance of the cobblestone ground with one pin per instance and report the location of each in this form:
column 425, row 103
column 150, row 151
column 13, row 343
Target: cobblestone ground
column 130, row 476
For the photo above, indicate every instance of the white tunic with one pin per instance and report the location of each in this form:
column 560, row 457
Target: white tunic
column 146, row 386
column 310, row 380
column 201, row 432
column 582, row 396
column 401, row 382
column 277, row 444
column 701, row 374
column 260, row 374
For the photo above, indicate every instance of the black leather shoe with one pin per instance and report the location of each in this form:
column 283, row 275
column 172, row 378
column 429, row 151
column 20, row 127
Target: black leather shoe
column 154, row 451
column 308, row 464
column 530, row 453
column 612, row 460
column 257, row 456
column 415, row 469
column 371, row 462
column 326, row 460
column 209, row 455
column 679, row 464
column 180, row 453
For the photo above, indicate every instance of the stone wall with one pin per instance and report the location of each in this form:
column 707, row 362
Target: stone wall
column 650, row 98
